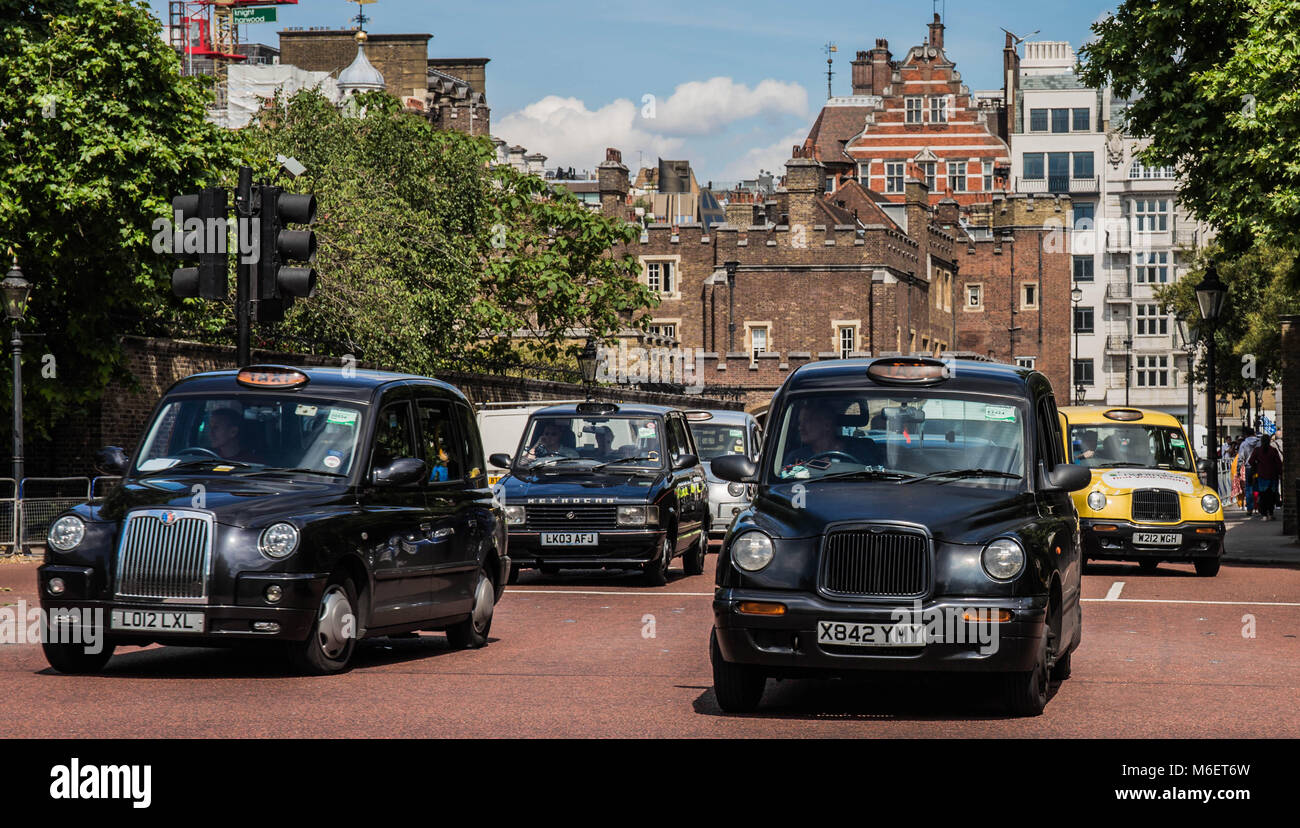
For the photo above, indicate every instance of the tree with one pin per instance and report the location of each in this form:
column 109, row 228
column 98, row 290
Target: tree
column 1247, row 339
column 1215, row 86
column 98, row 130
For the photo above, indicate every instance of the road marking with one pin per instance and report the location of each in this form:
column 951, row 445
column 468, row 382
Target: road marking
column 511, row 591
column 1115, row 589
column 1180, row 601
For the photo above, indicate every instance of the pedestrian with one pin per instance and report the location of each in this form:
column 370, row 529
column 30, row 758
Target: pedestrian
column 1266, row 462
column 1236, row 475
column 1249, row 443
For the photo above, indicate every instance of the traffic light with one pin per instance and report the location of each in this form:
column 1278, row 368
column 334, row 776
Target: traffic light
column 278, row 283
column 200, row 236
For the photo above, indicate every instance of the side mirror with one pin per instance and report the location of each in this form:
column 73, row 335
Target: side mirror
column 112, row 460
column 735, row 468
column 501, row 461
column 685, row 461
column 401, row 472
column 1068, row 477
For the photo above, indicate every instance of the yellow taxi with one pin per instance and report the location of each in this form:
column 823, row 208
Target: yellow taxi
column 1146, row 502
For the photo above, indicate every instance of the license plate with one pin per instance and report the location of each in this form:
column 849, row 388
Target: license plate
column 870, row 635
column 157, row 621
column 1158, row 538
column 570, row 538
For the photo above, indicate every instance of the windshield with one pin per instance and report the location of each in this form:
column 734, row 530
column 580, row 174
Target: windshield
column 257, row 431
column 717, row 440
column 1131, row 444
column 575, row 441
column 883, row 434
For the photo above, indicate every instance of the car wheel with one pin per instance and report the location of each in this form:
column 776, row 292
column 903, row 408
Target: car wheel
column 74, row 660
column 513, row 577
column 1148, row 565
column 1061, row 670
column 738, row 687
column 472, row 633
column 656, row 571
column 329, row 646
column 693, row 563
column 1207, row 567
column 1026, row 693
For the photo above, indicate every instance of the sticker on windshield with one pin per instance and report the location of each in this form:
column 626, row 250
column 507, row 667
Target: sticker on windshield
column 1004, row 413
column 342, row 416
column 304, row 410
column 223, row 468
column 332, row 462
column 1177, row 441
column 646, row 431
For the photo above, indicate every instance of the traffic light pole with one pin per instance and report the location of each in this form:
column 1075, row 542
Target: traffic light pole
column 244, row 209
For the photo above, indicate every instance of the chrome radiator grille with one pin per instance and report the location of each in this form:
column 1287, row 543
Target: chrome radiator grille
column 165, row 555
column 888, row 563
column 1156, row 504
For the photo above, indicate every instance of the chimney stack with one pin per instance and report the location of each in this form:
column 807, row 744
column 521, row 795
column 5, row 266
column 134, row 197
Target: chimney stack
column 805, row 181
column 936, row 32
column 612, row 183
column 862, row 74
column 881, row 70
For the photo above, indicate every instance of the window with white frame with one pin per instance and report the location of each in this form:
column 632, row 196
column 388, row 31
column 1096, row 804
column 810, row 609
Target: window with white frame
column 1140, row 170
column 1150, row 321
column 893, row 176
column 1150, row 215
column 957, row 176
column 760, row 340
column 1152, row 371
column 668, row 329
column 1151, row 268
column 660, row 276
column 975, row 296
column 1029, row 295
column 1025, row 361
column 912, row 110
column 927, row 170
column 864, row 173
column 939, row 109
column 848, row 340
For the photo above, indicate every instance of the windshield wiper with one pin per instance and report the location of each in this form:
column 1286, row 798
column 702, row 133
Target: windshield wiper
column 865, row 474
column 623, row 460
column 546, row 461
column 960, row 473
column 277, row 470
column 1122, row 465
column 191, row 463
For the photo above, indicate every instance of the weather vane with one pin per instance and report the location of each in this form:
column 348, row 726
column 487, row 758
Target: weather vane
column 829, row 49
column 361, row 18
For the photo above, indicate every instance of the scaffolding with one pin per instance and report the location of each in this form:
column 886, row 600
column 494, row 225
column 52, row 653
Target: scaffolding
column 205, row 35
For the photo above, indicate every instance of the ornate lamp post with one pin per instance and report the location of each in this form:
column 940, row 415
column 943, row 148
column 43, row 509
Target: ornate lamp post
column 587, row 364
column 1210, row 295
column 16, row 290
column 1128, row 365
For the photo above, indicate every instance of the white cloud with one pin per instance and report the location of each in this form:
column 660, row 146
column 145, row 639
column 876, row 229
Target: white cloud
column 771, row 157
column 570, row 134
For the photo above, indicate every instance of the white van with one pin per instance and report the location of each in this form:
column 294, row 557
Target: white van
column 501, row 425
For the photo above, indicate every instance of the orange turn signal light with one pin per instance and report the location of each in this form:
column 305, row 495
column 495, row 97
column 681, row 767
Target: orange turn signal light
column 986, row 615
column 1206, row 530
column 760, row 608
column 1105, row 527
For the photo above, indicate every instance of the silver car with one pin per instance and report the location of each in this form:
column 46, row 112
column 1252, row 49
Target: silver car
column 718, row 433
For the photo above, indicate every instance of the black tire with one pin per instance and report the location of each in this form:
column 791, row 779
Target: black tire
column 74, row 660
column 472, row 633
column 513, row 577
column 656, row 571
column 738, row 687
column 329, row 646
column 693, row 563
column 1025, row 694
column 1207, row 567
column 1061, row 670
column 1148, row 565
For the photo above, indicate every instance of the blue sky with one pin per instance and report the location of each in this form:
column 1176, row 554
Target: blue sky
column 734, row 83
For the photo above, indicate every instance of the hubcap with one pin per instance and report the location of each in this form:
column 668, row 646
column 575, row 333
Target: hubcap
column 482, row 612
column 665, row 555
column 335, row 624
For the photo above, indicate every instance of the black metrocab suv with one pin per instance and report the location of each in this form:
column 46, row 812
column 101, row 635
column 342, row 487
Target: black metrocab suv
column 912, row 514
column 307, row 506
column 600, row 485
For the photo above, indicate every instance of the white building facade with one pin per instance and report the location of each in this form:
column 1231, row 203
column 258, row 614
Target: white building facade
column 1130, row 235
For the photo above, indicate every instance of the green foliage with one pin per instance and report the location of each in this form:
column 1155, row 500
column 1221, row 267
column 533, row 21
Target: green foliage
column 1216, row 87
column 98, row 130
column 1248, row 326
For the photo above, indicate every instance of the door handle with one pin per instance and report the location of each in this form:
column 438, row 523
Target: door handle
column 444, row 532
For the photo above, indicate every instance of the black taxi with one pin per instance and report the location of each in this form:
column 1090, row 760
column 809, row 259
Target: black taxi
column 601, row 485
column 911, row 514
column 307, row 506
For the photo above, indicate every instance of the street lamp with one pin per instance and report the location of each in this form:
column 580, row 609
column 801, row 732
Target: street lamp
column 587, row 364
column 16, row 291
column 1128, row 365
column 1210, row 294
column 1076, row 295
column 1187, row 333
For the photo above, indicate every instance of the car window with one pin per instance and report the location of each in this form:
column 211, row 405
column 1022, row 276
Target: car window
column 394, row 436
column 443, row 453
column 554, row 439
column 1129, row 444
column 715, row 440
column 471, row 444
column 678, row 441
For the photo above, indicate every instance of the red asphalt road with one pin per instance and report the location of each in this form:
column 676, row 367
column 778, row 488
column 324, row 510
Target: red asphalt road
column 568, row 658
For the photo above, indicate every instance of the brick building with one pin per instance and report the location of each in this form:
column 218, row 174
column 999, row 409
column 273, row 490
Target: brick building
column 914, row 110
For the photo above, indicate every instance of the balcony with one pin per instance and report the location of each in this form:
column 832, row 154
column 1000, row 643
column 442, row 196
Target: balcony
column 1120, row 292
column 1054, row 184
column 1115, row 344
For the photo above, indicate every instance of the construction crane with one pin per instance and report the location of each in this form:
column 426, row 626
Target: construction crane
column 208, row 30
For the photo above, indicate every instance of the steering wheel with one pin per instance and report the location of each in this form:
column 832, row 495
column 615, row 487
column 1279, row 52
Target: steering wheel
column 833, row 453
column 200, row 450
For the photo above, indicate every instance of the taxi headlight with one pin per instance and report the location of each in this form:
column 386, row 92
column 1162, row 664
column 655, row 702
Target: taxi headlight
column 1096, row 501
column 752, row 551
column 638, row 515
column 1209, row 504
column 66, row 533
column 735, row 489
column 514, row 515
column 278, row 540
column 1003, row 559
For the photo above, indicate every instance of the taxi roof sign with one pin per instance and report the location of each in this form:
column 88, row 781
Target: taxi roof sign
column 1122, row 414
column 596, row 408
column 271, row 376
column 698, row 416
column 908, row 370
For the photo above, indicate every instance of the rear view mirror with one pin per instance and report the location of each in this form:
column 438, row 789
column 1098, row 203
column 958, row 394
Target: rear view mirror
column 1068, row 477
column 501, row 461
column 112, row 460
column 401, row 472
column 735, row 468
column 684, row 461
